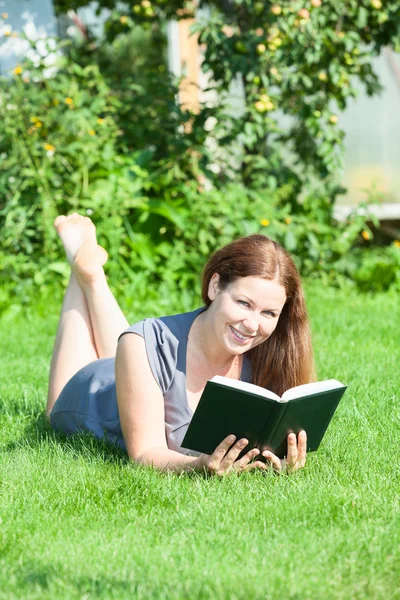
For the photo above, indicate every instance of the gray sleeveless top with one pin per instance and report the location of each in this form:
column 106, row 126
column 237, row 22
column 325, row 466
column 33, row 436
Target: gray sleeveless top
column 88, row 402
column 166, row 340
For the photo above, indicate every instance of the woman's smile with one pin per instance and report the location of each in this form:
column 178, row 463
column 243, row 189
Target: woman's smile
column 240, row 337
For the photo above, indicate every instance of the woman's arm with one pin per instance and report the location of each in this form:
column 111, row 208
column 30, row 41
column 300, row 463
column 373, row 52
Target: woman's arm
column 168, row 460
column 141, row 411
column 141, row 408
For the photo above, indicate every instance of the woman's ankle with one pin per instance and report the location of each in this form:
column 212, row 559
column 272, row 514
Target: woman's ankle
column 92, row 282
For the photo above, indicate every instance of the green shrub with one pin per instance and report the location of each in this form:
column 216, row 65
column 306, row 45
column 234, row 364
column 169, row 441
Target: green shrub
column 103, row 133
column 298, row 62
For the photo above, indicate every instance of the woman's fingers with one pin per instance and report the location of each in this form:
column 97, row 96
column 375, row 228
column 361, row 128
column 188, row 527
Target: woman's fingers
column 227, row 462
column 257, row 464
column 212, row 462
column 297, row 450
column 274, row 460
column 243, row 463
column 292, row 453
column 222, row 458
column 302, row 448
column 296, row 454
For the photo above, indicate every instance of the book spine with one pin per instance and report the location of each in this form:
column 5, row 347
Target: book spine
column 269, row 429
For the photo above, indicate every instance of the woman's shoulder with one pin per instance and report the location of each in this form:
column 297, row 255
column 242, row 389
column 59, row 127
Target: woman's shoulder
column 179, row 324
column 162, row 336
column 159, row 328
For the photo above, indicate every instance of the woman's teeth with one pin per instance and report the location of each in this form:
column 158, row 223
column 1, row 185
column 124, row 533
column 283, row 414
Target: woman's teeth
column 240, row 335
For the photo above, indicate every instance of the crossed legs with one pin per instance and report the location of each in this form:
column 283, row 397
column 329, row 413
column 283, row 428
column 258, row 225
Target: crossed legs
column 90, row 320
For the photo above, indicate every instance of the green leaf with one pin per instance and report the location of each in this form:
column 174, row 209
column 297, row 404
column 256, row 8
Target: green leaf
column 290, row 241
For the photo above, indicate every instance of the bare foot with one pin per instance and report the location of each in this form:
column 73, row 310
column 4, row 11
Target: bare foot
column 78, row 235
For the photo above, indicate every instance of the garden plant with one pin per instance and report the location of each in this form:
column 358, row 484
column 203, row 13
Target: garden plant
column 95, row 125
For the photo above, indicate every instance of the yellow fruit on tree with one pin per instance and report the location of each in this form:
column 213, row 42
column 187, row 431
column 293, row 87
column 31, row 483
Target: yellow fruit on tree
column 276, row 9
column 273, row 32
column 304, row 13
column 260, row 106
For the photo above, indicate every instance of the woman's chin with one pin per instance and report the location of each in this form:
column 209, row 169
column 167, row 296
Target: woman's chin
column 237, row 349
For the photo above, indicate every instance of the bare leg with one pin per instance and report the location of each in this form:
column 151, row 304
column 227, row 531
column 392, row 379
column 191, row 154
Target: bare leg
column 108, row 321
column 91, row 319
column 74, row 346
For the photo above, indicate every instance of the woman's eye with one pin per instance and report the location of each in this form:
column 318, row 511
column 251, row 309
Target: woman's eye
column 269, row 313
column 244, row 303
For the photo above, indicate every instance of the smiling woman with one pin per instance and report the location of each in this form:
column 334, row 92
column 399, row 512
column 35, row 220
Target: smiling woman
column 258, row 274
column 142, row 394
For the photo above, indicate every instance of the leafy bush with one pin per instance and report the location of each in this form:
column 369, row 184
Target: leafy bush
column 376, row 270
column 298, row 63
column 102, row 132
column 72, row 140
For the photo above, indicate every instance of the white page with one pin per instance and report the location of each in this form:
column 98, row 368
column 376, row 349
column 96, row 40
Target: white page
column 311, row 388
column 246, row 387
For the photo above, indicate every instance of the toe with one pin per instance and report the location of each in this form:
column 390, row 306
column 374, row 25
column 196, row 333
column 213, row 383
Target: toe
column 59, row 220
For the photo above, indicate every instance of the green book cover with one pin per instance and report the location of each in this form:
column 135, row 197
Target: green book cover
column 248, row 411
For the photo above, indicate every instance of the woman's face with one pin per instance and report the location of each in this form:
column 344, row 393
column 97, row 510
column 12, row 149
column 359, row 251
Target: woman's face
column 246, row 313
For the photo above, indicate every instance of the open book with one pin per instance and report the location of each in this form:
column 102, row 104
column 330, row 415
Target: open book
column 252, row 412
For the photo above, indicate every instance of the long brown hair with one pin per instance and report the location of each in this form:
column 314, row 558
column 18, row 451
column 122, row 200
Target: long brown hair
column 285, row 359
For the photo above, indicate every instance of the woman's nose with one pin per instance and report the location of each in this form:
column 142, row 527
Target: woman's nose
column 251, row 323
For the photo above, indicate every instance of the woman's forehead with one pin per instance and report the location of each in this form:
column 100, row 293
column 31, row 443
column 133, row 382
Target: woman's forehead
column 259, row 290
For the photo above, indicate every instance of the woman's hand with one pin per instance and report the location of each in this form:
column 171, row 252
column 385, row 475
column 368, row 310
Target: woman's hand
column 222, row 460
column 296, row 454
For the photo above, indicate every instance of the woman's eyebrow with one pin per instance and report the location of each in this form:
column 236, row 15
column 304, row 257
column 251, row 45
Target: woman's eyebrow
column 247, row 298
column 252, row 302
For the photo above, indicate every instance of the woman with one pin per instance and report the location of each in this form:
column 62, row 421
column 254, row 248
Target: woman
column 253, row 326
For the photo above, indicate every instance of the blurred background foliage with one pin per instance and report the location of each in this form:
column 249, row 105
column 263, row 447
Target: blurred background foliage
column 102, row 132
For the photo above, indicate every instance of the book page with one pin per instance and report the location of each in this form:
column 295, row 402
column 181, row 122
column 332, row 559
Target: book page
column 308, row 389
column 246, row 387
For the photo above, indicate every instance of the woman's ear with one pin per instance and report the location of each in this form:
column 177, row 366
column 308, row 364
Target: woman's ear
column 213, row 287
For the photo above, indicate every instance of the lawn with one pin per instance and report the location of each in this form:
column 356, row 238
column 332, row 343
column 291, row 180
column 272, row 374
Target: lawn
column 77, row 520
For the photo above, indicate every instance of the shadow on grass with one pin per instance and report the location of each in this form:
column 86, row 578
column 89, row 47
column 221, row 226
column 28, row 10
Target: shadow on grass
column 50, row 578
column 38, row 431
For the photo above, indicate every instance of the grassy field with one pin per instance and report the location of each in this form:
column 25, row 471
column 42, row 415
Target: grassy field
column 78, row 521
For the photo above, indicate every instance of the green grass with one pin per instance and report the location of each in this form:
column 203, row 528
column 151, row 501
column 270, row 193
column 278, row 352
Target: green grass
column 78, row 521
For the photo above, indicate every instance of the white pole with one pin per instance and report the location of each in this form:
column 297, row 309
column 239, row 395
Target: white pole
column 174, row 54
